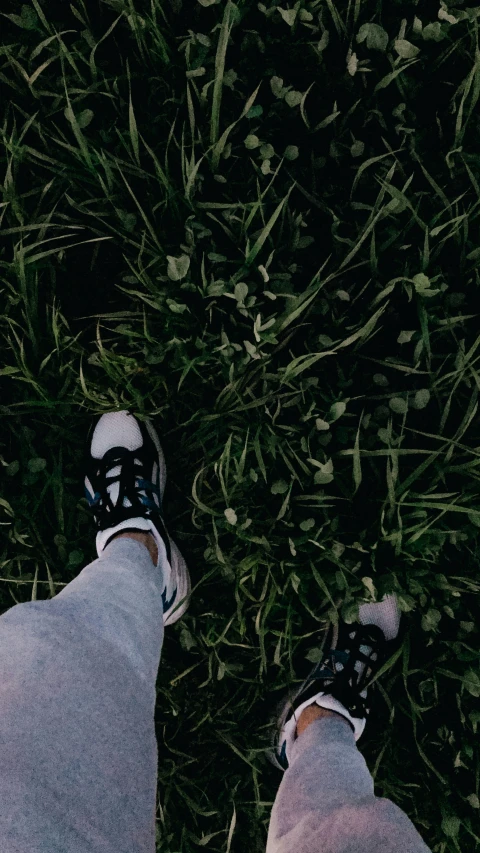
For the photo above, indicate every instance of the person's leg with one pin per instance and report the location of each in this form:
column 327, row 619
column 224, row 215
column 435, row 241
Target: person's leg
column 78, row 752
column 326, row 801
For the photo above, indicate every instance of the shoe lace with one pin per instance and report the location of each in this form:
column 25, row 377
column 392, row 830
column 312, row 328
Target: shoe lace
column 131, row 479
column 345, row 672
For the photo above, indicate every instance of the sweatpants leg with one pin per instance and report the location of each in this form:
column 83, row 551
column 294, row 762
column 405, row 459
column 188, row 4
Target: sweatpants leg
column 326, row 803
column 78, row 752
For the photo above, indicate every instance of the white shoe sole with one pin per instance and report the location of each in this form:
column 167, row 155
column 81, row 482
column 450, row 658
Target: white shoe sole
column 181, row 579
column 180, row 573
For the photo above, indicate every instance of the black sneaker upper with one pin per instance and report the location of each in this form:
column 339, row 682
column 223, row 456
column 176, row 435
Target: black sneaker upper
column 336, row 675
column 133, row 478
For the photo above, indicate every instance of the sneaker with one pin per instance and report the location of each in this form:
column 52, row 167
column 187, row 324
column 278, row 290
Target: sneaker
column 124, row 485
column 353, row 655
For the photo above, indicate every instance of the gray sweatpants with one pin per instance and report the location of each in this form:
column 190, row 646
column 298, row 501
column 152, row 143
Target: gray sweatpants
column 78, row 752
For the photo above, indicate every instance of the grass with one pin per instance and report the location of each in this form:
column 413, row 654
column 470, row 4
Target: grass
column 257, row 224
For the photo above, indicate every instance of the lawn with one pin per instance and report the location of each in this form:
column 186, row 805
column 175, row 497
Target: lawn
column 258, row 224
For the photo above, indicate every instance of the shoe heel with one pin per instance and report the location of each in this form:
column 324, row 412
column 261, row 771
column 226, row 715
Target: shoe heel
column 181, row 578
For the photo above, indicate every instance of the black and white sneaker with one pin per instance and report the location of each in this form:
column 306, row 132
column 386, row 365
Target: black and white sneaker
column 124, row 485
column 351, row 657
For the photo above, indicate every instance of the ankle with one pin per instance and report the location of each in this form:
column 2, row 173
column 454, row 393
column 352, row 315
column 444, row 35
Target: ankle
column 146, row 539
column 312, row 713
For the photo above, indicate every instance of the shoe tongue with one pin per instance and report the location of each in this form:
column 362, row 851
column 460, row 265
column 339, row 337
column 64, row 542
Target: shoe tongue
column 359, row 666
column 114, row 488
